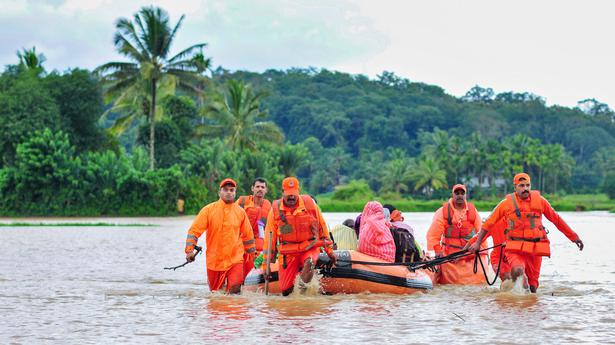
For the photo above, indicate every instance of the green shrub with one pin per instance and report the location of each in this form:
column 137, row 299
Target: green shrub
column 355, row 189
column 608, row 186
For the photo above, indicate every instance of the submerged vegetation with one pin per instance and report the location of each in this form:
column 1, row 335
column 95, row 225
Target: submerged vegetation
column 131, row 138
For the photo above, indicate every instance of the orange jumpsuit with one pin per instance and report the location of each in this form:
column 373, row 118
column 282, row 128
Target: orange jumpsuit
column 256, row 215
column 229, row 235
column 530, row 263
column 460, row 271
column 292, row 263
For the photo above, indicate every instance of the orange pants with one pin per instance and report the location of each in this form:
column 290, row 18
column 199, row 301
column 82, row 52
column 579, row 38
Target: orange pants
column 248, row 265
column 294, row 264
column 495, row 260
column 462, row 272
column 530, row 263
column 232, row 277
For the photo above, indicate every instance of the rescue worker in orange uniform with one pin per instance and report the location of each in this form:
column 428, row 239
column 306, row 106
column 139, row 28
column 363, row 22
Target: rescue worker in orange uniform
column 453, row 225
column 526, row 238
column 298, row 231
column 229, row 236
column 257, row 208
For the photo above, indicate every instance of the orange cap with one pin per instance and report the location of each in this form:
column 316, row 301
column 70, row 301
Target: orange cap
column 290, row 185
column 228, row 181
column 459, row 186
column 520, row 176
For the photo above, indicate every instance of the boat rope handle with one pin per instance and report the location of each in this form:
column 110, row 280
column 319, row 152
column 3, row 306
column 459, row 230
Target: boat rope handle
column 497, row 273
column 422, row 264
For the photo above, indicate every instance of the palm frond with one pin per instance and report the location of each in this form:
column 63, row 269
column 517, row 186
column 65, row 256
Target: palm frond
column 112, row 67
column 268, row 132
column 169, row 39
column 127, row 28
column 122, row 124
column 208, row 130
column 125, row 47
column 187, row 52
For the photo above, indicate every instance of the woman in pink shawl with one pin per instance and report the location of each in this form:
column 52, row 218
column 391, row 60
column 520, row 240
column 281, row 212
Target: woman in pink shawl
column 375, row 237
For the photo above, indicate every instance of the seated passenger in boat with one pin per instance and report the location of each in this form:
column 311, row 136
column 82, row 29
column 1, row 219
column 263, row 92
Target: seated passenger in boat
column 375, row 237
column 344, row 235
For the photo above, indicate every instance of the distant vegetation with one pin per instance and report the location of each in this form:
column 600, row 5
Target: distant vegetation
column 132, row 137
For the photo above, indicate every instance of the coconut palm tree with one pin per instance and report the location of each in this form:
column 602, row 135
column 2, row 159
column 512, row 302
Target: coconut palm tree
column 146, row 41
column 293, row 157
column 396, row 175
column 428, row 175
column 237, row 117
column 29, row 60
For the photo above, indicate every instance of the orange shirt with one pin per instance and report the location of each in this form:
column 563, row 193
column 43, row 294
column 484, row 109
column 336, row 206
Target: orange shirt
column 502, row 209
column 229, row 234
column 439, row 225
column 273, row 227
column 254, row 213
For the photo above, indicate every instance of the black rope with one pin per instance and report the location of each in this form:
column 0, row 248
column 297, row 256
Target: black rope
column 497, row 273
column 198, row 251
column 421, row 264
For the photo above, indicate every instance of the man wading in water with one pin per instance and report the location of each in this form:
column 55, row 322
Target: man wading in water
column 229, row 236
column 526, row 239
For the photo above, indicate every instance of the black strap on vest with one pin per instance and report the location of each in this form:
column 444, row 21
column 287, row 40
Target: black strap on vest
column 517, row 212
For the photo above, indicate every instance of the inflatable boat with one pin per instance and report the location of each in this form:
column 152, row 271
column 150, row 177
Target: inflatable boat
column 353, row 273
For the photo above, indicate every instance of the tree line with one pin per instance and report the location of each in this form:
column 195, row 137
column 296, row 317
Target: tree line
column 132, row 137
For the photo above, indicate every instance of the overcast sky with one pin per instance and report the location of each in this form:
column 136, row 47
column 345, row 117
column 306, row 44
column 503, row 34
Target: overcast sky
column 561, row 50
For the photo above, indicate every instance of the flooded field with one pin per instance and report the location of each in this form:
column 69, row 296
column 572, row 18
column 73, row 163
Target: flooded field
column 106, row 285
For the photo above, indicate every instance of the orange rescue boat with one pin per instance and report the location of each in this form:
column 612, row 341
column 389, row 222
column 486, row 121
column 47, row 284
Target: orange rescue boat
column 349, row 277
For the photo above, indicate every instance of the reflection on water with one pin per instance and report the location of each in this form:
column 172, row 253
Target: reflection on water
column 106, row 285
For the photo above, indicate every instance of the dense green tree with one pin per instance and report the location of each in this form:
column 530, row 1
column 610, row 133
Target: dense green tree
column 182, row 111
column 354, row 190
column 169, row 142
column 25, row 106
column 609, row 185
column 48, row 173
column 79, row 98
column 479, row 94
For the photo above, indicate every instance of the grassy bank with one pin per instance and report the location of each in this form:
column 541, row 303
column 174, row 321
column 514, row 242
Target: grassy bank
column 579, row 202
column 19, row 224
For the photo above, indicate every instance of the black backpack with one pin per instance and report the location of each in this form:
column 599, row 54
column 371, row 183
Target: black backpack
column 405, row 247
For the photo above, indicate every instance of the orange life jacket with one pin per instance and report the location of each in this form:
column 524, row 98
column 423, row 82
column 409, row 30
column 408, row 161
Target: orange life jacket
column 525, row 232
column 298, row 233
column 256, row 214
column 457, row 235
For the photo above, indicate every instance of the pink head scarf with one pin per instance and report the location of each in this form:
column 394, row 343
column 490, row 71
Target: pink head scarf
column 375, row 237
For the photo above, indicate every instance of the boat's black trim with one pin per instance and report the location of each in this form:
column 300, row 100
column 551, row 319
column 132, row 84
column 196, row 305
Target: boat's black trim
column 345, row 270
column 375, row 277
column 350, row 273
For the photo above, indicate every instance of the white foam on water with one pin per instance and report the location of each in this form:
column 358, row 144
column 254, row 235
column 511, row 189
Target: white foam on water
column 308, row 289
column 520, row 287
column 507, row 285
